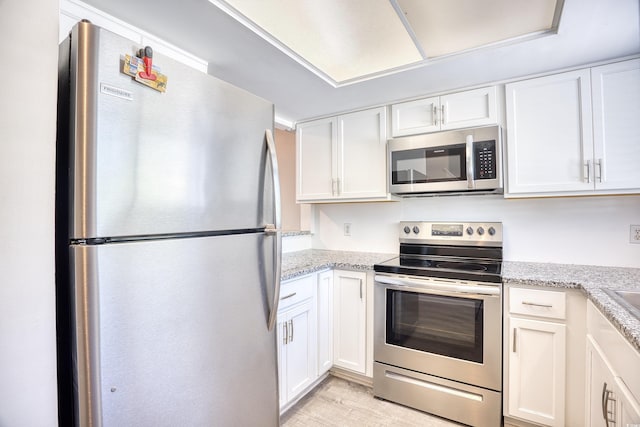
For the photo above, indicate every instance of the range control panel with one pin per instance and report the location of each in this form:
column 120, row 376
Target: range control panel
column 452, row 233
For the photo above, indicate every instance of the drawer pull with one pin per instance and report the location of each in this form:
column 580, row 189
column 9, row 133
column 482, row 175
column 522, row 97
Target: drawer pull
column 536, row 304
column 288, row 296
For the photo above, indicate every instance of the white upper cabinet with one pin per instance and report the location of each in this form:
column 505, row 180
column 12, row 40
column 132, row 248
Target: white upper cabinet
column 343, row 158
column 458, row 110
column 316, row 148
column 574, row 133
column 414, row 117
column 549, row 138
column 616, row 125
column 362, row 157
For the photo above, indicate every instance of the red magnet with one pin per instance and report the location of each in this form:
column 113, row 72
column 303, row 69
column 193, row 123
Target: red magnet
column 147, row 57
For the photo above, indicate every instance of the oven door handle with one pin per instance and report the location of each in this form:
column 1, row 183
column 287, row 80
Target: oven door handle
column 426, row 285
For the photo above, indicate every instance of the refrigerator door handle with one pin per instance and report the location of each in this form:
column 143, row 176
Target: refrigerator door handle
column 275, row 228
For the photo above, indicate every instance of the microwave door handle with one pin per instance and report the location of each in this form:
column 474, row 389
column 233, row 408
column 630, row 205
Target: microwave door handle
column 470, row 167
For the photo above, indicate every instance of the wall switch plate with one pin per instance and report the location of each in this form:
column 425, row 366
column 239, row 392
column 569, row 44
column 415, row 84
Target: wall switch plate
column 634, row 234
column 347, row 229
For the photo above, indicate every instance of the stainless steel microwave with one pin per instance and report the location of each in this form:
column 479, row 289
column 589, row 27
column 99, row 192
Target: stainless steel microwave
column 465, row 160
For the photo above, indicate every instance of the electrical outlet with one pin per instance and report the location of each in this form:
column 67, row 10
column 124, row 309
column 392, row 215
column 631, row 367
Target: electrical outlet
column 347, row 229
column 634, row 234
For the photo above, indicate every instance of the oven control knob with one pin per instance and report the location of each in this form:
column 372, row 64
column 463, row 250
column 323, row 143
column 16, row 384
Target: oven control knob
column 407, row 230
column 491, row 231
column 469, row 231
column 480, row 231
column 416, row 230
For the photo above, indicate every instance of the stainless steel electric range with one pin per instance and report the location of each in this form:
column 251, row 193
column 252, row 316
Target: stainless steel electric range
column 438, row 321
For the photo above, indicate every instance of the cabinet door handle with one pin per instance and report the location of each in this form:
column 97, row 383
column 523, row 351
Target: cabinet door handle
column 515, row 338
column 599, row 175
column 442, row 115
column 606, row 397
column 435, row 115
column 285, row 331
column 291, row 330
column 536, row 304
column 588, row 174
column 361, row 289
column 288, row 296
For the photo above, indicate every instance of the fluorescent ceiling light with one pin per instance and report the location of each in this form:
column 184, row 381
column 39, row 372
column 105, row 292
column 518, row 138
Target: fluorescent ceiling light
column 345, row 41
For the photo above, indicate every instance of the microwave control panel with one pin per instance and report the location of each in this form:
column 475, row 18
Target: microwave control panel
column 484, row 153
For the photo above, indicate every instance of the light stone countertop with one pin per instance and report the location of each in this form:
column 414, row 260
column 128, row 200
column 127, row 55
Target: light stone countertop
column 295, row 264
column 591, row 280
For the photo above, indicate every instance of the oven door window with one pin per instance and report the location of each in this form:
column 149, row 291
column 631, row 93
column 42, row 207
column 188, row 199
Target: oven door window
column 434, row 164
column 444, row 325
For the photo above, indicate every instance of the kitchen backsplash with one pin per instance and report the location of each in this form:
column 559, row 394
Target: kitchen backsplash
column 571, row 230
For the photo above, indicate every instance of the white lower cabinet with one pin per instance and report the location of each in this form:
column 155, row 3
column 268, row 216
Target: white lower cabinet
column 612, row 375
column 296, row 335
column 537, row 371
column 349, row 315
column 325, row 321
column 544, row 330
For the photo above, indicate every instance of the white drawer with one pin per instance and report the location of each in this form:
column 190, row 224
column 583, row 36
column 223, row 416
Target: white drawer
column 296, row 290
column 534, row 302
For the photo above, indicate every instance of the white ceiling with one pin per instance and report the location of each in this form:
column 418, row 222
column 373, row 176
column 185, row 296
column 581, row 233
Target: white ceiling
column 589, row 31
column 350, row 41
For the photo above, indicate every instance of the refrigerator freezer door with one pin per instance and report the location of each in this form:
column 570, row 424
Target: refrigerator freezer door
column 191, row 159
column 174, row 333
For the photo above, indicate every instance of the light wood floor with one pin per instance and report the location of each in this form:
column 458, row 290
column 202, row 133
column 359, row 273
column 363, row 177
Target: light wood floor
column 336, row 402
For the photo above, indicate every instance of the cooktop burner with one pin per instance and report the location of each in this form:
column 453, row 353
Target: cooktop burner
column 478, row 270
column 461, row 251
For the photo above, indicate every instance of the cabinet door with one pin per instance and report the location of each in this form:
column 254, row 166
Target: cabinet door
column 316, row 164
column 616, row 109
column 414, row 117
column 470, row 108
column 349, row 331
column 362, row 154
column 281, row 337
column 537, row 371
column 300, row 349
column 600, row 384
column 325, row 321
column 549, row 134
column 628, row 408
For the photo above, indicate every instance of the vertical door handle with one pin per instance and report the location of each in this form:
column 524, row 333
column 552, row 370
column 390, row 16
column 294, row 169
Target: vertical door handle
column 435, row 115
column 285, row 331
column 515, row 338
column 588, row 174
column 360, row 289
column 599, row 175
column 275, row 228
column 291, row 330
column 442, row 114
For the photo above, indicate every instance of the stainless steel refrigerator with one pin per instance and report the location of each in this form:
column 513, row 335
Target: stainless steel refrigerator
column 168, row 244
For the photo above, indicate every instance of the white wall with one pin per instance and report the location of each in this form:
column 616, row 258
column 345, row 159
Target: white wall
column 29, row 52
column 572, row 230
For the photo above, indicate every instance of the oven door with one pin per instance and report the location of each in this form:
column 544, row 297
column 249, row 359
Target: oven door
column 440, row 327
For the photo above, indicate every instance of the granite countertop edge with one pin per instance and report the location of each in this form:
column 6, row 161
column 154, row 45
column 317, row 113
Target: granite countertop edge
column 591, row 280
